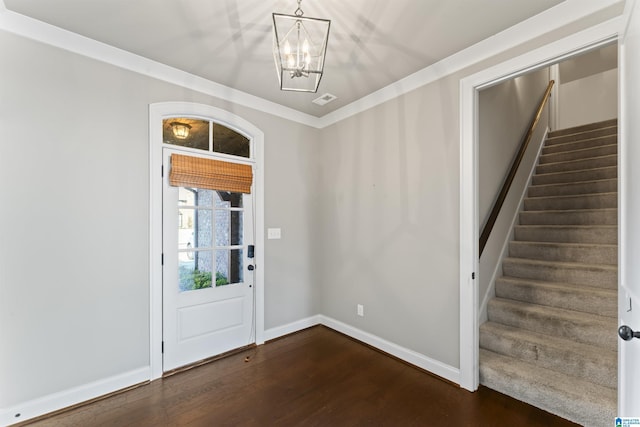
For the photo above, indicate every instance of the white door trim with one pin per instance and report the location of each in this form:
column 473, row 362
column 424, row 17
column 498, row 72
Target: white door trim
column 574, row 44
column 157, row 112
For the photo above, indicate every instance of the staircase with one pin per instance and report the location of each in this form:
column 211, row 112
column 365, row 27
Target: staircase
column 551, row 335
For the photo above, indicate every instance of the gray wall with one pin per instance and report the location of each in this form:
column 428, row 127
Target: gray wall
column 505, row 113
column 74, row 219
column 369, row 211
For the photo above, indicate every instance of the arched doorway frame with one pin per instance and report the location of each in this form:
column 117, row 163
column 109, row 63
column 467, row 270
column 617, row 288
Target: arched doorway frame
column 158, row 112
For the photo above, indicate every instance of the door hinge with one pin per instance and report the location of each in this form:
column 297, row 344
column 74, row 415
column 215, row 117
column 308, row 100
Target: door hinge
column 473, row 276
column 162, row 347
column 162, row 171
column 162, row 259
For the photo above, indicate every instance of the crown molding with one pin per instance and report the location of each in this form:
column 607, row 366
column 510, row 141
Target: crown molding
column 49, row 34
column 549, row 20
column 554, row 18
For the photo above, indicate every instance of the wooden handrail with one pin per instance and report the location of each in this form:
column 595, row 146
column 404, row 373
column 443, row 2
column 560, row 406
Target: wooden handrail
column 497, row 205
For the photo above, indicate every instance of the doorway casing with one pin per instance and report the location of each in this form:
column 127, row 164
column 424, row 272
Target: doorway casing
column 575, row 44
column 158, row 112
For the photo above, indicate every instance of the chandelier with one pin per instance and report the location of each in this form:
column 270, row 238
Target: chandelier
column 299, row 49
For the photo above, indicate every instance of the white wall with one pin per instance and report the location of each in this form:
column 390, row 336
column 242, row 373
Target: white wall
column 589, row 99
column 74, row 219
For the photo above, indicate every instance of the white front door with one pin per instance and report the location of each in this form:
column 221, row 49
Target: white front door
column 208, row 281
column 629, row 295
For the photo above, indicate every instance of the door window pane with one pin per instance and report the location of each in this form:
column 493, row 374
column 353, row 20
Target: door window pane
column 195, row 270
column 228, row 228
column 229, row 266
column 227, row 199
column 205, row 135
column 228, row 141
column 186, row 132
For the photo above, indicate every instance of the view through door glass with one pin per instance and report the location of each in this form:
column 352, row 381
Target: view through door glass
column 210, row 238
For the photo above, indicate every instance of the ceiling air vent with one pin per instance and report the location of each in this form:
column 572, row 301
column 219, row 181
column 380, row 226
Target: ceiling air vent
column 324, row 99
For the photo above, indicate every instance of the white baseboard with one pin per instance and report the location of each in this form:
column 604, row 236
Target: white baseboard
column 64, row 399
column 74, row 396
column 289, row 328
column 420, row 360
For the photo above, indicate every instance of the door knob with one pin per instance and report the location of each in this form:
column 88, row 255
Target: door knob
column 627, row 334
column 250, row 267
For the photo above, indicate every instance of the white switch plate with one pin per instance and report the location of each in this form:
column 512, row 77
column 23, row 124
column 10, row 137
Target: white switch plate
column 360, row 310
column 273, row 233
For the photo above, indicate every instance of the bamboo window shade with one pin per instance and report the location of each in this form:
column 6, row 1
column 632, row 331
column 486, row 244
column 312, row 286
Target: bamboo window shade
column 198, row 172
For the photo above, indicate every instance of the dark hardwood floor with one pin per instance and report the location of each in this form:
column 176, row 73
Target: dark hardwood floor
column 316, row 377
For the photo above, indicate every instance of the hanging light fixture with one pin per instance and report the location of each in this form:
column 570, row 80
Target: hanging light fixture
column 180, row 130
column 299, row 49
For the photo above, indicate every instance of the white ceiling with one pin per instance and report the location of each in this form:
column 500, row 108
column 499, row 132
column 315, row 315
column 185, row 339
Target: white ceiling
column 373, row 43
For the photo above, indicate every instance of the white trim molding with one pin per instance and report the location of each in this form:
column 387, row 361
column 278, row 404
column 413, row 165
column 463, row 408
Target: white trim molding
column 591, row 38
column 157, row 112
column 64, row 399
column 290, row 328
column 412, row 357
column 420, row 360
column 556, row 17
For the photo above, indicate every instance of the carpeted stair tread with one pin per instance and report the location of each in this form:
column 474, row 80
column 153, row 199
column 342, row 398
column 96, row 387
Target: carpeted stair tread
column 579, row 153
column 551, row 335
column 588, row 174
column 578, row 136
column 606, row 216
column 577, row 297
column 583, row 143
column 569, row 397
column 584, row 361
column 581, row 327
column 581, row 201
column 610, row 123
column 575, row 165
column 605, row 234
column 590, row 253
column 574, row 188
column 596, row 275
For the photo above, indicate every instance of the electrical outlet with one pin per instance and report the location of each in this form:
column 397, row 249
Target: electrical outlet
column 360, row 310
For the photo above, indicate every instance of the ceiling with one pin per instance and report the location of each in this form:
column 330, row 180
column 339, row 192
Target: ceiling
column 372, row 43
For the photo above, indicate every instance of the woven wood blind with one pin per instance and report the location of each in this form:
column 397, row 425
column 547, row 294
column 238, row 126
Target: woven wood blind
column 187, row 171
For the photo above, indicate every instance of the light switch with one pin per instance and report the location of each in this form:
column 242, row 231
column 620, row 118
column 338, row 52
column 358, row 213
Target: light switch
column 273, row 233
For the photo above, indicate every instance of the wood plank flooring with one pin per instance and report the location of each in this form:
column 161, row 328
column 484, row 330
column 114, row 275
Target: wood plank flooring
column 316, row 377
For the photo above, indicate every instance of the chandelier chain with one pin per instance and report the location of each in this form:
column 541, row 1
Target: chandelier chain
column 299, row 11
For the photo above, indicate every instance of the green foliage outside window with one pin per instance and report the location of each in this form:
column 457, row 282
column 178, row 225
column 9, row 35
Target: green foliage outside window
column 196, row 279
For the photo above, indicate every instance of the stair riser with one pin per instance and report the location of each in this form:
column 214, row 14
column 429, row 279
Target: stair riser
column 553, row 140
column 584, row 300
column 592, row 187
column 597, row 369
column 583, row 408
column 579, row 145
column 586, row 153
column 601, row 235
column 599, row 331
column 586, row 217
column 587, row 201
column 565, row 253
column 576, row 176
column 584, row 128
column 597, row 162
column 592, row 276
